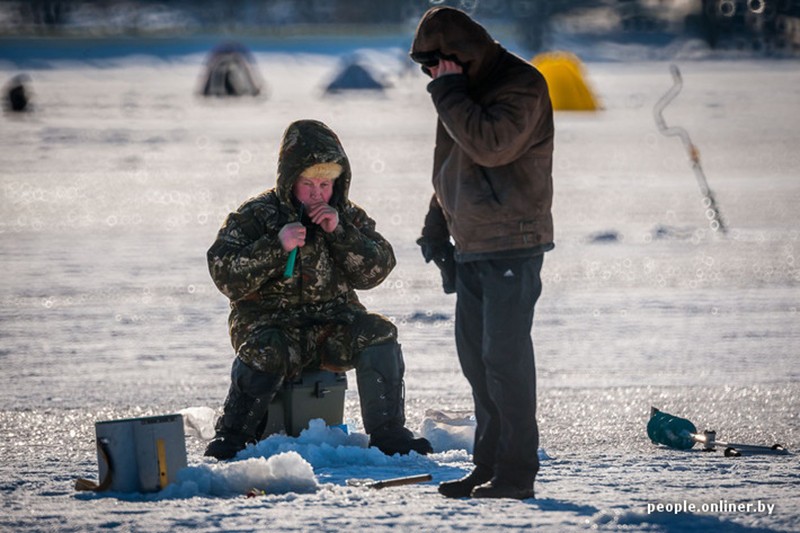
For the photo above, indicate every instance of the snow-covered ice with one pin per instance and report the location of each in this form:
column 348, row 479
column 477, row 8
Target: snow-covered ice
column 115, row 186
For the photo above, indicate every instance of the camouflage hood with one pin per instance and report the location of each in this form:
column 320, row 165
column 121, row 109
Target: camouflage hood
column 306, row 143
column 445, row 32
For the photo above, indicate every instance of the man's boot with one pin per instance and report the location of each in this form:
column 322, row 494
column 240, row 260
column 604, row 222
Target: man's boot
column 462, row 488
column 379, row 374
column 244, row 411
column 497, row 488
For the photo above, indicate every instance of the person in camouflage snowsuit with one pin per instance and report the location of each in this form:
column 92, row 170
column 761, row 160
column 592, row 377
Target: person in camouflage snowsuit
column 310, row 317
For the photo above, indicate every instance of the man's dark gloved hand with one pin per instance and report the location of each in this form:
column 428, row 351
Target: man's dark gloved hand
column 442, row 253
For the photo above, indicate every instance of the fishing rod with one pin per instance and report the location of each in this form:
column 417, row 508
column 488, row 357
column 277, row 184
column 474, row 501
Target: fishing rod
column 288, row 272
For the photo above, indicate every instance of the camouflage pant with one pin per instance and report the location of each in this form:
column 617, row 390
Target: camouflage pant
column 286, row 349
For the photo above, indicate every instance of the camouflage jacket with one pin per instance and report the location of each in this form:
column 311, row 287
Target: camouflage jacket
column 247, row 261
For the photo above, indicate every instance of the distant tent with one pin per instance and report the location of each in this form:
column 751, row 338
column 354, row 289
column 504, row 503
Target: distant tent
column 17, row 94
column 565, row 78
column 230, row 71
column 354, row 76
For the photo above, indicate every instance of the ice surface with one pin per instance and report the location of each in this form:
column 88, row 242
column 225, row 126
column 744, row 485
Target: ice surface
column 113, row 189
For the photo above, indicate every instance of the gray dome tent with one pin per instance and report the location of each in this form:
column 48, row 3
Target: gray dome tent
column 230, row 71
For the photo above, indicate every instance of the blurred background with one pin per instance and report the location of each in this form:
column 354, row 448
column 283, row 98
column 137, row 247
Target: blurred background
column 762, row 27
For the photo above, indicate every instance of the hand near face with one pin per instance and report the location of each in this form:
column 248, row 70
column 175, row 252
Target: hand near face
column 324, row 215
column 444, row 68
column 292, row 235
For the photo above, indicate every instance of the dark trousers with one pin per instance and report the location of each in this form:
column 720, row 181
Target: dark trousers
column 494, row 317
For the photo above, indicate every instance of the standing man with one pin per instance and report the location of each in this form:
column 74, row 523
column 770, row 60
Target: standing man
column 492, row 195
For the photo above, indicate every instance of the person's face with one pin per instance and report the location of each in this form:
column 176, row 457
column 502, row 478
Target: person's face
column 312, row 191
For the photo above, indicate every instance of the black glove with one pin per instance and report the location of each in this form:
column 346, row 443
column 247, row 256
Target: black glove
column 442, row 253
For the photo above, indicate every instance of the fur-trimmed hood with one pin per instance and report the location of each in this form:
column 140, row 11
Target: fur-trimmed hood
column 307, row 143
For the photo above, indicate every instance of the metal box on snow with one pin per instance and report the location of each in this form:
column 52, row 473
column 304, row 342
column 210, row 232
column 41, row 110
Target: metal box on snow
column 316, row 394
column 140, row 454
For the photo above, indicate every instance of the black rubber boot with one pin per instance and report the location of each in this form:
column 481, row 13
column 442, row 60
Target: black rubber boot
column 462, row 488
column 498, row 488
column 244, row 411
column 379, row 374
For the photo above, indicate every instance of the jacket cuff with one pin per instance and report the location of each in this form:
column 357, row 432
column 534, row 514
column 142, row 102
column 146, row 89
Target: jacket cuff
column 340, row 234
column 446, row 82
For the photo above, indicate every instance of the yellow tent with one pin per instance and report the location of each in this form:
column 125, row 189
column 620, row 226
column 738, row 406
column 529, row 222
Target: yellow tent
column 568, row 88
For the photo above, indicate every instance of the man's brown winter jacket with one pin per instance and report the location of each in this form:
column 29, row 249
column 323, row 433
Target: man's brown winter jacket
column 492, row 168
